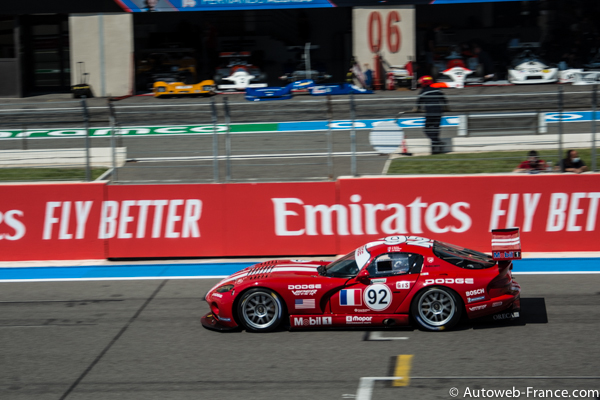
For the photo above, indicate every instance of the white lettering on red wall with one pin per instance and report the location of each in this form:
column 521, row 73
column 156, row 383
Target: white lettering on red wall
column 368, row 218
column 570, row 212
column 180, row 217
column 59, row 213
column 124, row 219
column 10, row 227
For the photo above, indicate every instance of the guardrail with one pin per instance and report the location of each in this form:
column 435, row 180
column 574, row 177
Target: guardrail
column 305, row 139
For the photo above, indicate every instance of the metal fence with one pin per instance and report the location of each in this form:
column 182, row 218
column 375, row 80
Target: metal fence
column 228, row 139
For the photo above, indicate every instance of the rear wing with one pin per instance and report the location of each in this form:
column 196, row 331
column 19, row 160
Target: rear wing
column 506, row 244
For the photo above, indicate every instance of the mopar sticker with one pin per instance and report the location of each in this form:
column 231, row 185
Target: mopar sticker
column 358, row 320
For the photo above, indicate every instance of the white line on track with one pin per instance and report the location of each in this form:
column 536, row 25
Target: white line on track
column 386, row 166
column 253, row 157
column 378, row 336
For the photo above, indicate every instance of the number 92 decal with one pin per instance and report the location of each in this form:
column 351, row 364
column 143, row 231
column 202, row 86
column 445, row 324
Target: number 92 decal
column 377, row 297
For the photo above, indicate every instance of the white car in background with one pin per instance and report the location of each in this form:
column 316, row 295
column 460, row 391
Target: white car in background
column 528, row 68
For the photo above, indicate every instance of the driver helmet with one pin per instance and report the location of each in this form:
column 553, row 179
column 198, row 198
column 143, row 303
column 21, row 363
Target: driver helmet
column 400, row 265
column 425, row 80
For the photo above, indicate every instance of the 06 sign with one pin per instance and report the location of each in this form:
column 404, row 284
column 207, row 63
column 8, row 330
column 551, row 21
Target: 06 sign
column 387, row 34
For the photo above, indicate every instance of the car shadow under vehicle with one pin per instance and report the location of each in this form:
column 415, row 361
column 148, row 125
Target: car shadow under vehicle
column 533, row 311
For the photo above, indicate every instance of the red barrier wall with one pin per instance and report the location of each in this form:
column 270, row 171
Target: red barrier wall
column 50, row 221
column 555, row 212
column 209, row 220
column 94, row 220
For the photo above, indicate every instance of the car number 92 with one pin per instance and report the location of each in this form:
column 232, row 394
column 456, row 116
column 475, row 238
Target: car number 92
column 378, row 297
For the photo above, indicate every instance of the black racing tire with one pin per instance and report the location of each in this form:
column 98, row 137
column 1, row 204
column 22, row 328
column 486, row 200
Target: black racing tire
column 260, row 310
column 436, row 308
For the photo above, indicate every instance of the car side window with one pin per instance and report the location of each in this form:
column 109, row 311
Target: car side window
column 391, row 264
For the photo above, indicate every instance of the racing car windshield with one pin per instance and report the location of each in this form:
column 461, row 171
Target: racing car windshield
column 345, row 267
column 461, row 257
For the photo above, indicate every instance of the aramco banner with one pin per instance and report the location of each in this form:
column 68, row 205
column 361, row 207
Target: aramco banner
column 555, row 212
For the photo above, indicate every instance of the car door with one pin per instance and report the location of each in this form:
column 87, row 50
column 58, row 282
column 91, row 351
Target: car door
column 391, row 278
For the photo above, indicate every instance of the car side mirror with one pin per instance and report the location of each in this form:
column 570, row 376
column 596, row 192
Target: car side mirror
column 363, row 275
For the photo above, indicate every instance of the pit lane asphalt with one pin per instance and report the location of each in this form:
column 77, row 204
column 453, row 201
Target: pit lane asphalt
column 143, row 340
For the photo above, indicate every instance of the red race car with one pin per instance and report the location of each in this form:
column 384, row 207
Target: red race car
column 392, row 281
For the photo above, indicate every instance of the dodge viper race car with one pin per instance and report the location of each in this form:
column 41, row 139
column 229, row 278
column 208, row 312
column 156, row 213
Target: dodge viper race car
column 392, row 281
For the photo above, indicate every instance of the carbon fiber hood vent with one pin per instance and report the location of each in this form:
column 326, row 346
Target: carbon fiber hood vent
column 262, row 270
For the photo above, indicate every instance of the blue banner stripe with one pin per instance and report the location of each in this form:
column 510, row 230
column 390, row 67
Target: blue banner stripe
column 557, row 265
column 539, row 265
column 358, row 124
column 123, row 271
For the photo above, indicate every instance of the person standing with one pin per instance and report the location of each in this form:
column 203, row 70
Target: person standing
column 434, row 103
column 368, row 77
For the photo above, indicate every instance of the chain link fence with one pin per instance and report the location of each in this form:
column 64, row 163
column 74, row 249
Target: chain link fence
column 228, row 139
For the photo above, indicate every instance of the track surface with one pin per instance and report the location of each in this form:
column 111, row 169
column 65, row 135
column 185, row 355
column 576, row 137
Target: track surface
column 143, row 340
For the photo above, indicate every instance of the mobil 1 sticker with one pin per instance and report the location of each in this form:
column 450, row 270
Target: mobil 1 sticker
column 377, row 297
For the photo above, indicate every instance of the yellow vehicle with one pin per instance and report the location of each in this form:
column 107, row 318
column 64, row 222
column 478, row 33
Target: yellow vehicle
column 168, row 89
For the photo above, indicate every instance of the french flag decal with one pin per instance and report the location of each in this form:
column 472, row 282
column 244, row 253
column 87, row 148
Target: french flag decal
column 351, row 297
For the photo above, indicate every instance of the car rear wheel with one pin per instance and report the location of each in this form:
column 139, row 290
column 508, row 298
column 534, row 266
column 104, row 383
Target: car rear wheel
column 260, row 310
column 436, row 309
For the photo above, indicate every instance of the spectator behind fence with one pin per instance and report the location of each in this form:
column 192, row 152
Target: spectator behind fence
column 533, row 164
column 368, row 77
column 572, row 163
column 433, row 101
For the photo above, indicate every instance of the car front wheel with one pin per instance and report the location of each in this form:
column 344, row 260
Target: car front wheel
column 260, row 310
column 436, row 309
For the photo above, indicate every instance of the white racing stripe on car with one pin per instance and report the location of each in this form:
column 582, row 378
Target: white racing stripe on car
column 232, row 278
column 275, row 269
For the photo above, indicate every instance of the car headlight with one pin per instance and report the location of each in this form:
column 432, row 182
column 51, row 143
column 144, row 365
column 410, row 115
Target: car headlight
column 161, row 89
column 224, row 289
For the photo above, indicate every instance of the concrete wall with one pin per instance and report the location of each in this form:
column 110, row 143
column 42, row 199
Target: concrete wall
column 104, row 42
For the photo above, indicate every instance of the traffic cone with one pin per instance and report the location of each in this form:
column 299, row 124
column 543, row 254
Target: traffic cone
column 405, row 148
